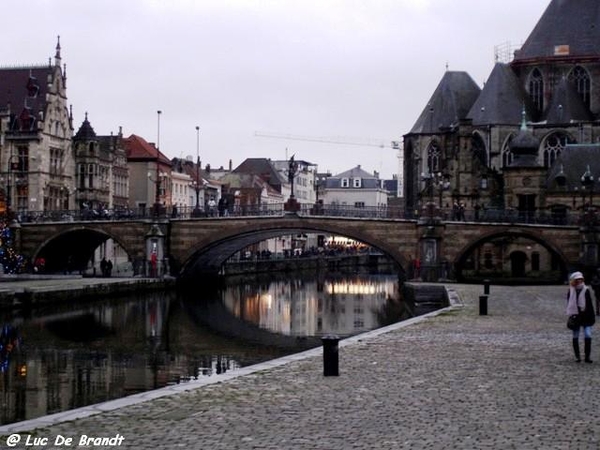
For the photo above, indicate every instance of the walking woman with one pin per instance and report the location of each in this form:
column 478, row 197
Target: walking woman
column 579, row 301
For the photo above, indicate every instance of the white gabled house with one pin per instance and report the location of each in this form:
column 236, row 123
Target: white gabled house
column 355, row 188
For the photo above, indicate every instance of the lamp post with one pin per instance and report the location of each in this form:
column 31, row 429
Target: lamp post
column 157, row 181
column 434, row 181
column 292, row 206
column 197, row 211
column 427, row 177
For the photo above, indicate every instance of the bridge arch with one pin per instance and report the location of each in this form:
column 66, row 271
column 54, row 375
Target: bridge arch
column 467, row 250
column 72, row 248
column 209, row 253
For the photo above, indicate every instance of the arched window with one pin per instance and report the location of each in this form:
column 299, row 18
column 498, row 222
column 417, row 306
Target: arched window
column 434, row 158
column 554, row 146
column 507, row 155
column 488, row 261
column 479, row 151
column 536, row 89
column 581, row 80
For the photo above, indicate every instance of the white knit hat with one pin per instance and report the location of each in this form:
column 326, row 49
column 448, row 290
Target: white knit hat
column 576, row 276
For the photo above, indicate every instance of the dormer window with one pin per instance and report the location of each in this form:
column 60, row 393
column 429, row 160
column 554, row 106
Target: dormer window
column 345, row 182
column 356, row 182
column 32, row 87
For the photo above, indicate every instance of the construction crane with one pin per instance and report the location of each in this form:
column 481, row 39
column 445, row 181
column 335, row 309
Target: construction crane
column 395, row 145
column 329, row 140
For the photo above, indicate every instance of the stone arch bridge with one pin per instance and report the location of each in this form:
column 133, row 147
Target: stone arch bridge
column 192, row 246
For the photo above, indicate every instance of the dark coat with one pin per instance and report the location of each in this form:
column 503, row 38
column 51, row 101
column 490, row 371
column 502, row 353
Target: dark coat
column 588, row 316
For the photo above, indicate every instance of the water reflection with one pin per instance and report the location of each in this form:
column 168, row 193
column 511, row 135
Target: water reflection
column 61, row 358
column 310, row 307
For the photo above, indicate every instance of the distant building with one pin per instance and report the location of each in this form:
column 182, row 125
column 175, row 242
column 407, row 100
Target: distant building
column 102, row 174
column 202, row 188
column 147, row 167
column 304, row 181
column 355, row 188
column 276, row 174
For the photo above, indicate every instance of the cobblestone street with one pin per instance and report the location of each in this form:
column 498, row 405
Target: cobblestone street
column 449, row 380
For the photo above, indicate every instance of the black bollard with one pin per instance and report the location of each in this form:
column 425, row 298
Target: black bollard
column 486, row 287
column 330, row 355
column 483, row 303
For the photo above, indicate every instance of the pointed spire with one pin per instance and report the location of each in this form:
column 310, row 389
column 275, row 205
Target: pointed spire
column 523, row 119
column 57, row 55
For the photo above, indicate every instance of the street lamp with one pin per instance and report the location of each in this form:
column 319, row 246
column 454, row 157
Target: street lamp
column 434, row 181
column 427, row 177
column 157, row 193
column 197, row 210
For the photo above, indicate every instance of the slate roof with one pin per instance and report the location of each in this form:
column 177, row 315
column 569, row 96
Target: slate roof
column 368, row 180
column 572, row 23
column 16, row 85
column 574, row 161
column 247, row 181
column 524, row 147
column 566, row 105
column 501, row 100
column 263, row 168
column 451, row 101
column 85, row 132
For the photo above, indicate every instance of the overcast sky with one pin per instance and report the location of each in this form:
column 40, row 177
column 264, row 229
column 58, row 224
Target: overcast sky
column 340, row 70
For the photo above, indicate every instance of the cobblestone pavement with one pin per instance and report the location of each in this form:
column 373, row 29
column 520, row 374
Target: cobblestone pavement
column 455, row 380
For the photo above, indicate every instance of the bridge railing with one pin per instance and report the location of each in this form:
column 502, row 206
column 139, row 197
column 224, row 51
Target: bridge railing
column 115, row 214
column 370, row 212
column 591, row 216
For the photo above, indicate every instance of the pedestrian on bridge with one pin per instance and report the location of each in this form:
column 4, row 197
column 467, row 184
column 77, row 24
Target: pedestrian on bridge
column 579, row 301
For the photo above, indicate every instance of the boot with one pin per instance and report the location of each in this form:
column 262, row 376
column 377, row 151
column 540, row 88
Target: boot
column 576, row 350
column 588, row 349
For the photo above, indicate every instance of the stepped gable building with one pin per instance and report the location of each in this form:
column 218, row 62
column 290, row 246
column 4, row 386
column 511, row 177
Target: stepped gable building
column 37, row 168
column 462, row 147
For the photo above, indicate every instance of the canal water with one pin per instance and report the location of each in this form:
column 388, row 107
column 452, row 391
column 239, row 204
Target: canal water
column 64, row 357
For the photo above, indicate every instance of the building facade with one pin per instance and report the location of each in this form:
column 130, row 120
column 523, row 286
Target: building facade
column 102, row 173
column 460, row 147
column 527, row 143
column 356, row 189
column 37, row 168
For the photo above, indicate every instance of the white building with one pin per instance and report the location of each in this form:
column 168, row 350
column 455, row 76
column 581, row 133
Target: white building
column 181, row 193
column 304, row 181
column 355, row 188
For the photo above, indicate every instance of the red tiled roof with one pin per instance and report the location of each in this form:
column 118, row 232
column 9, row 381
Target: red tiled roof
column 138, row 148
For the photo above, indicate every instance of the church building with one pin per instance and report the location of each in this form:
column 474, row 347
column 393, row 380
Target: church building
column 528, row 141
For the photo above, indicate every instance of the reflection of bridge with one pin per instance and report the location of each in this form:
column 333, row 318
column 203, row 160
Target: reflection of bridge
column 191, row 245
